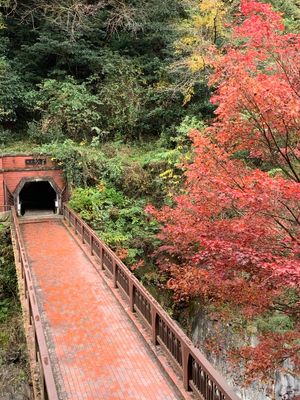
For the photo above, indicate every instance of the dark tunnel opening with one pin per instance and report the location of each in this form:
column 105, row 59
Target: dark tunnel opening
column 37, row 196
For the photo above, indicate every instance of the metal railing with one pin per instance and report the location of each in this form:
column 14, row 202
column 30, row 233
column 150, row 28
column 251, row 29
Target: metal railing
column 197, row 373
column 47, row 383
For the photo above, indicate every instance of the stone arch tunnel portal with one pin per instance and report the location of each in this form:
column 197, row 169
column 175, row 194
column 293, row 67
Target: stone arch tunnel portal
column 31, row 183
column 37, row 196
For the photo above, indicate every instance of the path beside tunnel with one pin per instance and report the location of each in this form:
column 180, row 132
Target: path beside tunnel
column 96, row 351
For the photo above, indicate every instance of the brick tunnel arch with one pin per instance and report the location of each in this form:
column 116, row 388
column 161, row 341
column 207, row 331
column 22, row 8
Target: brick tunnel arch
column 37, row 195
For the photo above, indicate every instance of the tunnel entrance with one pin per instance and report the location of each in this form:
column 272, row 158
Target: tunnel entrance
column 37, row 197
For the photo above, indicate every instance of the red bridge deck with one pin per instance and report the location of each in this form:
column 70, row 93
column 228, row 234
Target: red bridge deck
column 96, row 352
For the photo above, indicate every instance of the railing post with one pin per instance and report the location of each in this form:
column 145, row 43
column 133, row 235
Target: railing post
column 115, row 271
column 29, row 310
column 131, row 296
column 35, row 344
column 25, row 289
column 92, row 242
column 82, row 233
column 153, row 324
column 19, row 253
column 185, row 365
column 101, row 257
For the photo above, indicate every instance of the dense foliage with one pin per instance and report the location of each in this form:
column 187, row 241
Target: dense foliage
column 120, row 224
column 61, row 64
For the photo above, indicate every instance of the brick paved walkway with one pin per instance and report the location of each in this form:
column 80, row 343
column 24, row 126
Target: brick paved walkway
column 97, row 352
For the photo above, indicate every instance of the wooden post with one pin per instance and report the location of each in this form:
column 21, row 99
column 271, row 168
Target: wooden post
column 131, row 296
column 185, row 365
column 115, row 271
column 153, row 324
column 101, row 257
column 29, row 310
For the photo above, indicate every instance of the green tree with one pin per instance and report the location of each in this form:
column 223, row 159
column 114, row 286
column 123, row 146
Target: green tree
column 68, row 106
column 12, row 92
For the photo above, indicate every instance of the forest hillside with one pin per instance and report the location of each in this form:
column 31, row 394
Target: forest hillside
column 176, row 123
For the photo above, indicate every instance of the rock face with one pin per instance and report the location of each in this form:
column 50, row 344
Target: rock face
column 285, row 387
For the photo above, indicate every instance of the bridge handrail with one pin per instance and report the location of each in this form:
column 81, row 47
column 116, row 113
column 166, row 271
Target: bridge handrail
column 197, row 373
column 48, row 386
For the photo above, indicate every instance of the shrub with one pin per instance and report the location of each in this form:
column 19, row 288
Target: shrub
column 122, row 225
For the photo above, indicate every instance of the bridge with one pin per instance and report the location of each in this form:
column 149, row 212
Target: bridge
column 97, row 332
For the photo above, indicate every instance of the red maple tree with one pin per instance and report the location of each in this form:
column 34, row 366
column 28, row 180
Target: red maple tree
column 258, row 93
column 233, row 238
